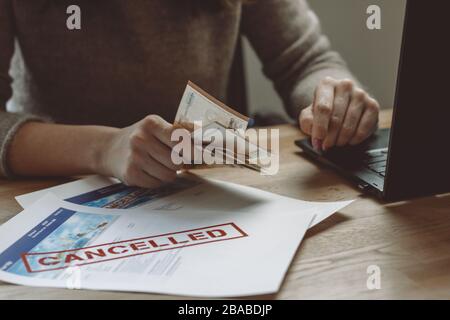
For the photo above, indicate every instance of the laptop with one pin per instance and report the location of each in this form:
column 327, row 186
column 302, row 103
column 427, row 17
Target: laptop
column 412, row 159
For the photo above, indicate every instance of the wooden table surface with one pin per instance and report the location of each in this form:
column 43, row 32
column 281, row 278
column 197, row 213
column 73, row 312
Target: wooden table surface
column 409, row 241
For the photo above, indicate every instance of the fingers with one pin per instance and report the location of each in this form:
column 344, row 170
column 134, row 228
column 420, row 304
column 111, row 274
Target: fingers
column 340, row 115
column 155, row 169
column 159, row 128
column 143, row 171
column 148, row 158
column 306, row 120
column 368, row 123
column 322, row 110
column 342, row 97
column 159, row 152
column 138, row 178
column 141, row 141
column 352, row 117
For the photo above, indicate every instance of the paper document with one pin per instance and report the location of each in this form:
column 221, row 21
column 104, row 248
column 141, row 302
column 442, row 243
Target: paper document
column 187, row 192
column 188, row 252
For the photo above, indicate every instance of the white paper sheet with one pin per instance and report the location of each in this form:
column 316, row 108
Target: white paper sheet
column 204, row 253
column 190, row 192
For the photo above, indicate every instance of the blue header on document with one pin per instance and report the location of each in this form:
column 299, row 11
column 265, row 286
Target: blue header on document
column 25, row 244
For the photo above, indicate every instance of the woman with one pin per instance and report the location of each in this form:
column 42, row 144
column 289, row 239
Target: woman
column 100, row 99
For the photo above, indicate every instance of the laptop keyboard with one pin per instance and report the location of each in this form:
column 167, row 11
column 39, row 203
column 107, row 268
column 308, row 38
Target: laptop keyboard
column 376, row 160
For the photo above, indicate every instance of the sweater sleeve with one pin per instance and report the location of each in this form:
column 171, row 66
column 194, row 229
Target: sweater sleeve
column 287, row 37
column 9, row 122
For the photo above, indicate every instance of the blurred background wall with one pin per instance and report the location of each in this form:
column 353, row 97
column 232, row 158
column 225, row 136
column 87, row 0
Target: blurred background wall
column 372, row 55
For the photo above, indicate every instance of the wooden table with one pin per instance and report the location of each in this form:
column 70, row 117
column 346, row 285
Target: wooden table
column 409, row 241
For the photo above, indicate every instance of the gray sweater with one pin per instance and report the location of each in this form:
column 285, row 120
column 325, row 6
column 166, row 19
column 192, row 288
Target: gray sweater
column 133, row 58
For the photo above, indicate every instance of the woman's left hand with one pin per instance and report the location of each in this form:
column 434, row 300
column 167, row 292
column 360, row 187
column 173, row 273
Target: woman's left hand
column 340, row 115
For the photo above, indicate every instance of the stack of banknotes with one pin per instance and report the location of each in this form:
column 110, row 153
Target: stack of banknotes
column 201, row 113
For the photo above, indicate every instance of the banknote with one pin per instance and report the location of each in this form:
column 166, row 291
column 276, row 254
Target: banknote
column 198, row 105
column 215, row 117
column 236, row 147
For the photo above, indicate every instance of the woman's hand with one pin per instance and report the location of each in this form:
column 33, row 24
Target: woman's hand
column 140, row 155
column 340, row 115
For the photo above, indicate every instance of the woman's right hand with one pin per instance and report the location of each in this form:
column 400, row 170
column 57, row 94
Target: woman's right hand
column 140, row 155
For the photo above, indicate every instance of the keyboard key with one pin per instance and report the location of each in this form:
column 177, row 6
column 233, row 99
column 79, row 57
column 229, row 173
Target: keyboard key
column 378, row 167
